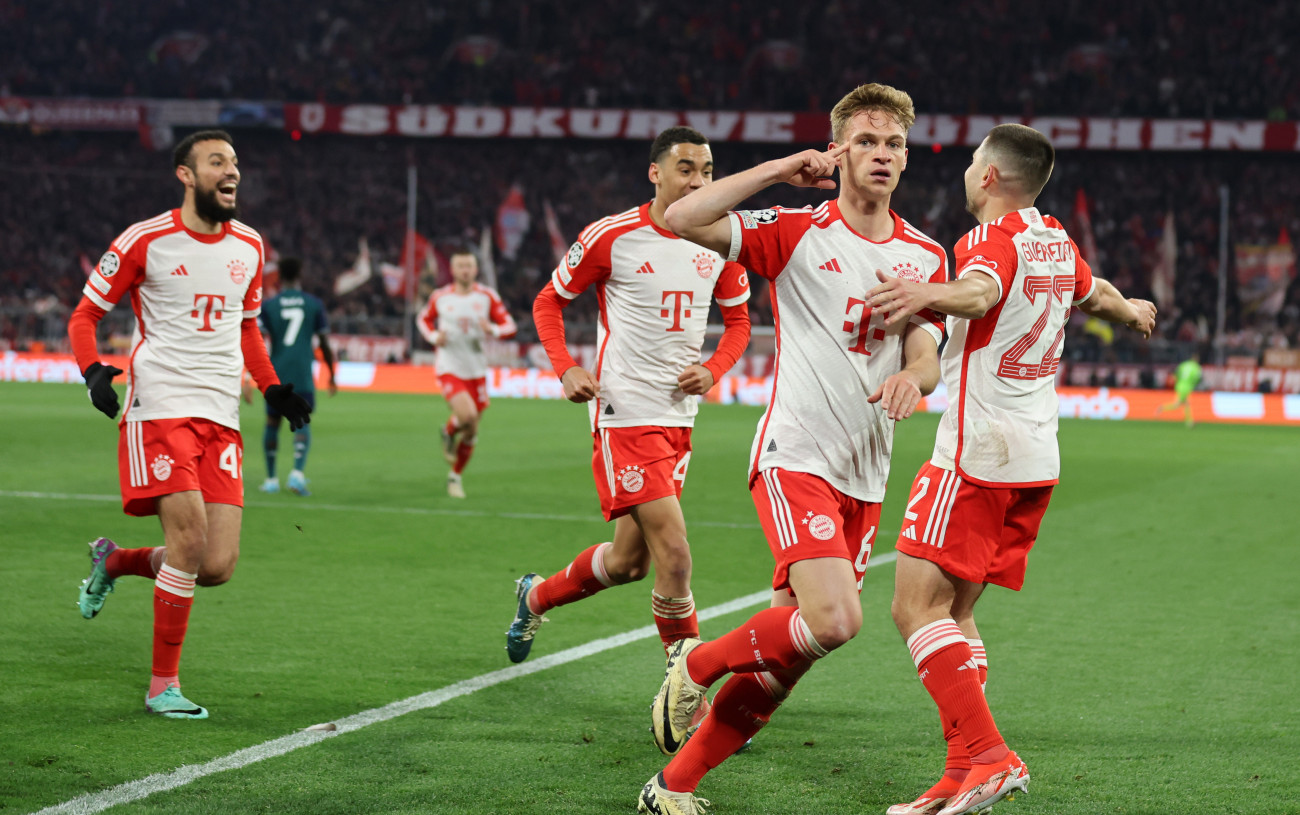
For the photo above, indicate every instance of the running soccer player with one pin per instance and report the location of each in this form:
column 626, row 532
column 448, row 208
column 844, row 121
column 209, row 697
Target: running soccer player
column 976, row 506
column 292, row 319
column 654, row 291
column 1186, row 377
column 193, row 277
column 456, row 320
column 820, row 458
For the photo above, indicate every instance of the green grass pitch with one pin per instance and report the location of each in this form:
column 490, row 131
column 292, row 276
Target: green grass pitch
column 1149, row 666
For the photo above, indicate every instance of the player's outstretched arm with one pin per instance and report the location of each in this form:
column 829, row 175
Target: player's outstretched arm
column 970, row 297
column 1107, row 303
column 901, row 393
column 701, row 217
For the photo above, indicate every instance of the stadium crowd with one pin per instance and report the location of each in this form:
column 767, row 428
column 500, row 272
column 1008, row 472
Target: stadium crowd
column 317, row 197
column 1188, row 58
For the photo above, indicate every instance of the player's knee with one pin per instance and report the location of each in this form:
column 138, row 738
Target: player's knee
column 214, row 574
column 627, row 568
column 835, row 627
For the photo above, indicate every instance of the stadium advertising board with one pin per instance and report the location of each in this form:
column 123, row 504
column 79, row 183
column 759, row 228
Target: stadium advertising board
column 541, row 383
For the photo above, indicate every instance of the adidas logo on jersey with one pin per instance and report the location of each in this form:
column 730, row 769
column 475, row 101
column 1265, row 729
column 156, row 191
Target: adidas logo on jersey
column 181, row 271
column 832, row 265
column 910, row 533
column 646, row 268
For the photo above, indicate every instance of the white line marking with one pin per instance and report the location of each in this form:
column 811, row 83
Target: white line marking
column 161, row 782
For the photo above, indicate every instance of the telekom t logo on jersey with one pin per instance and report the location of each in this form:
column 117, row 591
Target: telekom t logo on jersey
column 206, row 304
column 859, row 328
column 678, row 310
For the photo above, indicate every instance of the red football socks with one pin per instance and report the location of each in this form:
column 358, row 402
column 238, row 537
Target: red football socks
column 946, row 665
column 463, row 452
column 584, row 577
column 675, row 617
column 173, row 595
column 771, row 640
column 137, row 562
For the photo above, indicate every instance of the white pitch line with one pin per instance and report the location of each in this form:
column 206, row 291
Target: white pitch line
column 299, row 505
column 161, row 782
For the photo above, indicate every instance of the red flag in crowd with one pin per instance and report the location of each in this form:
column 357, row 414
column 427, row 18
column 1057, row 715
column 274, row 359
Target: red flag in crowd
column 512, row 223
column 399, row 279
column 1264, row 273
column 559, row 246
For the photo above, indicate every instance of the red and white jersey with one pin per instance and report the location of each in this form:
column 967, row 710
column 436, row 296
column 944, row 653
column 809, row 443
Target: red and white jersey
column 831, row 351
column 1000, row 370
column 459, row 317
column 654, row 290
column 190, row 292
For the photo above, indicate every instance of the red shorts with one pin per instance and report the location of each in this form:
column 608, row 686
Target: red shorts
column 476, row 388
column 637, row 465
column 164, row 456
column 803, row 518
column 980, row 534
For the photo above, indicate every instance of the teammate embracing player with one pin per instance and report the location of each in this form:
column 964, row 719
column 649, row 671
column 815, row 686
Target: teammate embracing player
column 654, row 291
column 193, row 277
column 975, row 507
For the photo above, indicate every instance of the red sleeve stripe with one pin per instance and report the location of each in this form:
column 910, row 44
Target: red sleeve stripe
column 163, row 223
column 592, row 233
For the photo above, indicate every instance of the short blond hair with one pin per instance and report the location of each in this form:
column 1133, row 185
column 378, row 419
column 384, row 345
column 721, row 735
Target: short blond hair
column 872, row 96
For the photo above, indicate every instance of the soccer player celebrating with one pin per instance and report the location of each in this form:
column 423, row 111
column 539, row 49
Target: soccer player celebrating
column 975, row 507
column 455, row 321
column 291, row 319
column 820, row 458
column 194, row 279
column 654, row 291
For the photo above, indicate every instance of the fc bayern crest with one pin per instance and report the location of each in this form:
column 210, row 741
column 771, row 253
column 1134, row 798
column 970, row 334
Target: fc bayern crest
column 632, row 478
column 575, row 255
column 704, row 265
column 821, row 527
column 909, row 271
column 109, row 263
column 238, row 271
column 162, row 467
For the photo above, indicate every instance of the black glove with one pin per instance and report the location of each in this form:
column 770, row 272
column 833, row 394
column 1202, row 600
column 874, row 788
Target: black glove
column 99, row 381
column 288, row 404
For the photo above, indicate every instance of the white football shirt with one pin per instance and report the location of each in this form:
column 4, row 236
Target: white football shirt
column 1000, row 370
column 459, row 317
column 189, row 292
column 831, row 351
column 654, row 290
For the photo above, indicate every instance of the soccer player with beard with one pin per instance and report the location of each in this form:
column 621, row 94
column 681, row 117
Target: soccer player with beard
column 654, row 291
column 193, row 276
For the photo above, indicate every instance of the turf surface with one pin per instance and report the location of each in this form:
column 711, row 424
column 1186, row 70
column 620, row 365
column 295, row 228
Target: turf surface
column 1148, row 666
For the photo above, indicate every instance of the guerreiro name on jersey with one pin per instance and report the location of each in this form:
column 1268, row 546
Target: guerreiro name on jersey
column 1000, row 370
